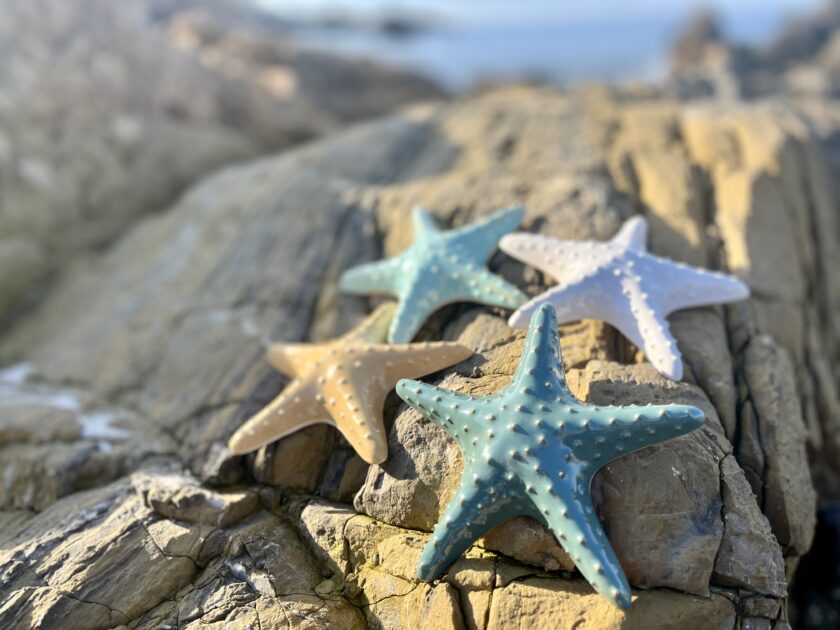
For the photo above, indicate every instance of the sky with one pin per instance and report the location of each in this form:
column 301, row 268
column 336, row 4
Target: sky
column 586, row 10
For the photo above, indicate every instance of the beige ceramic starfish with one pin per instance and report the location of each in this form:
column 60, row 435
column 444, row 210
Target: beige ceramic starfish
column 344, row 383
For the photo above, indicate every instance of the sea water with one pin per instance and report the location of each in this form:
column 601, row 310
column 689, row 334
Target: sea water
column 557, row 41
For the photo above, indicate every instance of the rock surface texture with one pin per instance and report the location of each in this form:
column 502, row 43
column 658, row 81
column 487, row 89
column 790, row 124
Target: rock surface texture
column 121, row 505
column 802, row 60
column 107, row 114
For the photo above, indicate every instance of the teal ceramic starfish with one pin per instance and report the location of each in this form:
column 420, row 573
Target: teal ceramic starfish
column 532, row 449
column 438, row 269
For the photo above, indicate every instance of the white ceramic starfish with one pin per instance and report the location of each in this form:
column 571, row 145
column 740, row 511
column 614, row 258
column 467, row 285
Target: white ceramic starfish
column 619, row 282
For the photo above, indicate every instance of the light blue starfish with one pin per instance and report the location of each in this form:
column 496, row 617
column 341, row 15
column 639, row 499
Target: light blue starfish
column 438, row 269
column 532, row 449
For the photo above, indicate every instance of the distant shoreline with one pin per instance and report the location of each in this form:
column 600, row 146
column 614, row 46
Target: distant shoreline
column 462, row 55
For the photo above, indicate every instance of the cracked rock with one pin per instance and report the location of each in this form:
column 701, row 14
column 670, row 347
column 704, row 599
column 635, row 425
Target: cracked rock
column 167, row 331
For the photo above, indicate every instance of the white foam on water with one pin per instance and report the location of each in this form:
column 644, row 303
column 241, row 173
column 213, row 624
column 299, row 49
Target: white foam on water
column 15, row 391
column 96, row 425
column 15, row 374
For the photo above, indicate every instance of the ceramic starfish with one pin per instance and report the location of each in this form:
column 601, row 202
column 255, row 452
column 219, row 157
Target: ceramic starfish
column 532, row 449
column 438, row 269
column 619, row 282
column 343, row 383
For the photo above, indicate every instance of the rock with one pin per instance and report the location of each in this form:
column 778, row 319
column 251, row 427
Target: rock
column 671, row 489
column 785, row 491
column 344, row 474
column 162, row 107
column 493, row 593
column 318, row 91
column 296, row 462
column 221, row 467
column 122, row 562
column 179, row 497
column 748, row 556
column 799, row 61
column 703, row 340
column 538, row 603
column 167, row 331
column 263, row 577
column 699, row 32
column 56, row 440
column 127, row 558
column 530, row 542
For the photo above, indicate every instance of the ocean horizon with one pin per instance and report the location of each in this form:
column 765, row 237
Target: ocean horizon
column 543, row 42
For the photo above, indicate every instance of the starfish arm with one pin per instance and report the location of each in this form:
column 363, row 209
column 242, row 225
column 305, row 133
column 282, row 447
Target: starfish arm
column 460, row 415
column 479, row 240
column 423, row 223
column 629, row 309
column 418, row 359
column 380, row 277
column 565, row 506
column 477, row 507
column 374, row 328
column 295, row 359
column 296, row 407
column 571, row 302
column 633, row 234
column 540, row 372
column 616, row 431
column 417, row 301
column 644, row 322
column 681, row 286
column 551, row 256
column 354, row 399
column 488, row 288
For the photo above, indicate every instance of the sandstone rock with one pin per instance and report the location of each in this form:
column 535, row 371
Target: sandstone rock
column 264, row 577
column 171, row 325
column 493, row 593
column 539, row 603
column 748, row 556
column 93, row 560
column 785, row 493
column 179, row 497
column 126, row 561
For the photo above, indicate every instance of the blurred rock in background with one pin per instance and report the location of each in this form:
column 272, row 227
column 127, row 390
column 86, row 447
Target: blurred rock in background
column 108, row 110
column 803, row 60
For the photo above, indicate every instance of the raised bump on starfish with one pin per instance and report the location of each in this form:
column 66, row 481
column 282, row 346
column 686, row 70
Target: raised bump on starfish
column 619, row 282
column 440, row 267
column 532, row 449
column 343, row 383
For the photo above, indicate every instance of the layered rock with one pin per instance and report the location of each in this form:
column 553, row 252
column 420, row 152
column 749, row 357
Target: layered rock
column 170, row 326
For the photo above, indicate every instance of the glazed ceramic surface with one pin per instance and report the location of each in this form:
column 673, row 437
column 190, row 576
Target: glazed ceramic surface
column 343, row 383
column 440, row 267
column 532, row 449
column 622, row 284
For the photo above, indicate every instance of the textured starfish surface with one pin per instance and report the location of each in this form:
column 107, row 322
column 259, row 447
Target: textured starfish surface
column 532, row 449
column 619, row 282
column 440, row 267
column 343, row 383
